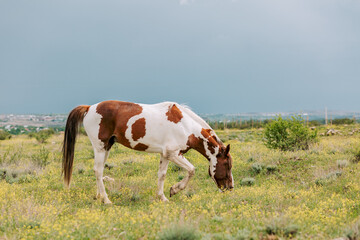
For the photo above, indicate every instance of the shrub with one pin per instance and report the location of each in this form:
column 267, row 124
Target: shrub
column 244, row 234
column 2, row 173
column 282, row 228
column 353, row 233
column 342, row 163
column 247, row 181
column 41, row 157
column 271, row 168
column 179, row 232
column 4, row 135
column 288, row 134
column 256, row 167
column 357, row 156
column 340, row 121
column 174, row 168
column 43, row 135
column 109, row 165
column 332, row 176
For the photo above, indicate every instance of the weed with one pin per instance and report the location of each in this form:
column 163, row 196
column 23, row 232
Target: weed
column 4, row 135
column 43, row 135
column 342, row 163
column 357, row 156
column 12, row 155
column 257, row 167
column 244, row 234
column 330, row 177
column 353, row 233
column 174, row 167
column 41, row 157
column 250, row 159
column 247, row 181
column 109, row 166
column 271, row 168
column 179, row 232
column 281, row 227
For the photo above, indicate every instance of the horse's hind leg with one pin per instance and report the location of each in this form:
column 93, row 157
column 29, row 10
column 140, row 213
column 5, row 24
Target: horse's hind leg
column 100, row 159
column 182, row 162
column 164, row 162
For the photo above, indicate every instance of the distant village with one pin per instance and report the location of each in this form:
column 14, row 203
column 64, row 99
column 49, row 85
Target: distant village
column 24, row 123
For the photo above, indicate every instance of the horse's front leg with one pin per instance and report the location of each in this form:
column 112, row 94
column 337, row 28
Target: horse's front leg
column 182, row 162
column 161, row 175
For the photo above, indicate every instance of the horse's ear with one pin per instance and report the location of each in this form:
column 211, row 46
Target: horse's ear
column 227, row 150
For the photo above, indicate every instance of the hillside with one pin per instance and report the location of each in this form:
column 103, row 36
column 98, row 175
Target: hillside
column 312, row 194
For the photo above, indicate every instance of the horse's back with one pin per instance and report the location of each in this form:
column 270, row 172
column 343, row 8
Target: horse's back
column 145, row 127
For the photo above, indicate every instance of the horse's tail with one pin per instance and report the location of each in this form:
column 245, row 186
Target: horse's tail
column 73, row 122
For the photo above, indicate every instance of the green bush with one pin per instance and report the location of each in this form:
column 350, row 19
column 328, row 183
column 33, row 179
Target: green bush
column 288, row 134
column 43, row 135
column 341, row 121
column 41, row 157
column 4, row 135
column 356, row 156
column 257, row 167
column 179, row 232
column 247, row 181
column 271, row 168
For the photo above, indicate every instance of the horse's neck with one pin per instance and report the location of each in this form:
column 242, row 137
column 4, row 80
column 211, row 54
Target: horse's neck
column 207, row 145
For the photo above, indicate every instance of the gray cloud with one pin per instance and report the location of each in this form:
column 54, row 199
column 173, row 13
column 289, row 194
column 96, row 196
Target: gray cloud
column 216, row 56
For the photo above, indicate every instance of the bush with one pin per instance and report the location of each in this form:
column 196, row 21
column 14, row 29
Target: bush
column 354, row 232
column 357, row 156
column 41, row 158
column 257, row 167
column 341, row 121
column 4, row 135
column 281, row 227
column 271, row 168
column 288, row 134
column 179, row 232
column 43, row 135
column 247, row 181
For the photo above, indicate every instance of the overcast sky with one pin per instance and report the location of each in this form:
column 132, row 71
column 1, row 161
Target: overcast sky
column 217, row 56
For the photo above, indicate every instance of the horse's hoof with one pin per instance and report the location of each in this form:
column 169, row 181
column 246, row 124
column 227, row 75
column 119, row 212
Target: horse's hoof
column 172, row 192
column 107, row 202
column 163, row 199
column 97, row 196
column 109, row 179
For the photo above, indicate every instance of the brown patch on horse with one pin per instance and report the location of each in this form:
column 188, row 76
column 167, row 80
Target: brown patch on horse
column 196, row 143
column 141, row 147
column 115, row 115
column 174, row 114
column 138, row 129
column 212, row 143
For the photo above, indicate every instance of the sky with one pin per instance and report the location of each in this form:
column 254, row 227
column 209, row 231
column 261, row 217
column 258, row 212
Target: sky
column 216, row 56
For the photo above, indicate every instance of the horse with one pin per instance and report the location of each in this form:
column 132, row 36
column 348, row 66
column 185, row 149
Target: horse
column 167, row 128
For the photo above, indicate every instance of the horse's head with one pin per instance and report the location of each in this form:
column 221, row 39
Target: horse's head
column 223, row 176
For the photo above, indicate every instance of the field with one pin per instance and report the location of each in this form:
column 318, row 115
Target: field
column 312, row 194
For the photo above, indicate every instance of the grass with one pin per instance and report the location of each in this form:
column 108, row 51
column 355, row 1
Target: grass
column 311, row 194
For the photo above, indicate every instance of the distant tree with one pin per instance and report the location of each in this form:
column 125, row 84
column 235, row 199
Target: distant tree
column 43, row 135
column 340, row 121
column 4, row 135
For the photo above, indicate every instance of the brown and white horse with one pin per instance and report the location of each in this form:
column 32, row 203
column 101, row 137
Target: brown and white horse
column 166, row 128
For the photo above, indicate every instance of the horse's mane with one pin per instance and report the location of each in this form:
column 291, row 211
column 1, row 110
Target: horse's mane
column 200, row 121
column 195, row 117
